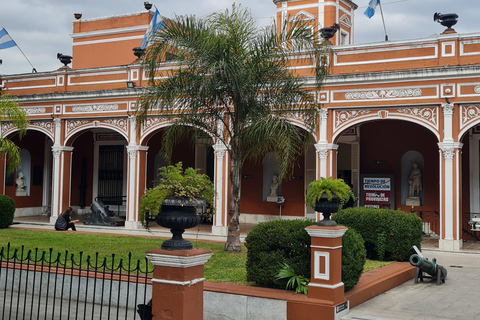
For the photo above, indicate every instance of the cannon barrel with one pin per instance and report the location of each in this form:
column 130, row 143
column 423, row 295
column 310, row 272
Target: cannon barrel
column 429, row 267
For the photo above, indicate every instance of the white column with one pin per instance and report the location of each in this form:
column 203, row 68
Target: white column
column 60, row 177
column 220, row 226
column 322, row 146
column 56, row 210
column 136, row 177
column 450, row 190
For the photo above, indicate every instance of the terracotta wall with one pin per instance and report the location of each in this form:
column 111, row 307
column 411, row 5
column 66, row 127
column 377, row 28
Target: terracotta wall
column 388, row 141
column 83, row 149
column 34, row 143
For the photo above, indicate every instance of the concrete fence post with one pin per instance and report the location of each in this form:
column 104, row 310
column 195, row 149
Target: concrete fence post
column 326, row 269
column 177, row 283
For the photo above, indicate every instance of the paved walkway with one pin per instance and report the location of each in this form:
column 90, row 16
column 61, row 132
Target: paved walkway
column 457, row 298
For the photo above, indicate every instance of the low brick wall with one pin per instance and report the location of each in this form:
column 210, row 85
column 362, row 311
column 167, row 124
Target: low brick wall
column 233, row 302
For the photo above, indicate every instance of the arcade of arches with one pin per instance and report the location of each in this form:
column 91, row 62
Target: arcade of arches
column 387, row 108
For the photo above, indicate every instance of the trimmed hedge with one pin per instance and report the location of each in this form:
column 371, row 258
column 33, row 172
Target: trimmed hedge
column 271, row 243
column 388, row 234
column 354, row 256
column 7, row 211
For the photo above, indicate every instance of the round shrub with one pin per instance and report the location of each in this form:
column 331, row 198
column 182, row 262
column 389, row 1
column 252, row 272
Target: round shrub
column 7, row 211
column 388, row 234
column 271, row 243
column 354, row 256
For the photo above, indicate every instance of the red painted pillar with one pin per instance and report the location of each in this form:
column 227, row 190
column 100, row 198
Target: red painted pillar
column 326, row 269
column 177, row 283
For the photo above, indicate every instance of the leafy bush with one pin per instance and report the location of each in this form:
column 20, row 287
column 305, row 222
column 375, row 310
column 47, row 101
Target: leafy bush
column 354, row 256
column 271, row 245
column 7, row 211
column 328, row 187
column 387, row 233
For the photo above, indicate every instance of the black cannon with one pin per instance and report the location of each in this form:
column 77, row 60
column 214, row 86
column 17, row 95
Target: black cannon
column 101, row 215
column 434, row 270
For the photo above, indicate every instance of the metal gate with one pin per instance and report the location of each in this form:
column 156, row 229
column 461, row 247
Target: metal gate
column 45, row 285
column 110, row 171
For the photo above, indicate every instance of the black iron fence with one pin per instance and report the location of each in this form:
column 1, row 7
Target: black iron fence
column 44, row 285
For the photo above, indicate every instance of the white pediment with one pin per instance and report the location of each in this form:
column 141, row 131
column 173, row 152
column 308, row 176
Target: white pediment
column 345, row 20
column 303, row 16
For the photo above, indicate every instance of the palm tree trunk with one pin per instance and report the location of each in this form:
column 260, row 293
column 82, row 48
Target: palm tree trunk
column 233, row 238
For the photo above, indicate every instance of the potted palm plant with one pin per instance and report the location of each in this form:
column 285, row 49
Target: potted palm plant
column 179, row 198
column 328, row 195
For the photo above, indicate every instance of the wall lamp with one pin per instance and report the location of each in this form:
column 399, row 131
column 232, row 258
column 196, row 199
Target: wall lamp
column 130, row 84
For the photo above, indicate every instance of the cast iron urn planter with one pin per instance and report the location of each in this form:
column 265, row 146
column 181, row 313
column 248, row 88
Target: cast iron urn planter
column 327, row 207
column 177, row 215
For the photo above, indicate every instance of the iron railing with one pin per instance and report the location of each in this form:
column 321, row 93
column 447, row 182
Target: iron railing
column 47, row 285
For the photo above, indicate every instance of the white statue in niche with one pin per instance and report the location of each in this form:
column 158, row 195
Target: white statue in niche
column 21, row 185
column 414, row 186
column 273, row 197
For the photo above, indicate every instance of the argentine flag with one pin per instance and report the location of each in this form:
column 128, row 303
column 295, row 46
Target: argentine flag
column 371, row 8
column 156, row 23
column 5, row 40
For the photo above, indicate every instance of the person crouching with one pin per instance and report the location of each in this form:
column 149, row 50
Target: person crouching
column 64, row 221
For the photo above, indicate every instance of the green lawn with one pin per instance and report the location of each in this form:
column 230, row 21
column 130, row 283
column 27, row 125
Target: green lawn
column 222, row 266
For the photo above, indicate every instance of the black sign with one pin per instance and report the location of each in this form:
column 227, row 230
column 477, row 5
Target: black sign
column 341, row 307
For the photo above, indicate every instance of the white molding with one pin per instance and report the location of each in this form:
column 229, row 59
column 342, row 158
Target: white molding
column 178, row 261
column 75, row 44
column 108, row 32
column 334, row 286
column 318, row 255
column 326, row 233
column 325, row 247
column 179, row 283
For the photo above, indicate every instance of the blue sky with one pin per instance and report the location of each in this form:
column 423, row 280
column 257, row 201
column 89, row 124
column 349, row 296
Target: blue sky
column 42, row 28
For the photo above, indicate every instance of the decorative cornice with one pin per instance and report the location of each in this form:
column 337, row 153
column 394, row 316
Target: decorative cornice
column 326, row 232
column 178, row 261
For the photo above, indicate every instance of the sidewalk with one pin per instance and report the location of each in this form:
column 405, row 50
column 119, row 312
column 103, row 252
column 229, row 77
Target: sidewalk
column 457, row 298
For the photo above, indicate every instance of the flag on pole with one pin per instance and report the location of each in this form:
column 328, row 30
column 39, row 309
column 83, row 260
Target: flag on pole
column 156, row 23
column 371, row 8
column 5, row 40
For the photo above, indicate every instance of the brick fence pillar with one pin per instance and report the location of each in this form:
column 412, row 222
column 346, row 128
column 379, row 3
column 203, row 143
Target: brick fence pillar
column 177, row 283
column 326, row 269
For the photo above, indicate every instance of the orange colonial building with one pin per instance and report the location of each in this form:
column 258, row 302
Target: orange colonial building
column 385, row 107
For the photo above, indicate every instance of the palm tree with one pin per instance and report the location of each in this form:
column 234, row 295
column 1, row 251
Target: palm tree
column 232, row 80
column 12, row 113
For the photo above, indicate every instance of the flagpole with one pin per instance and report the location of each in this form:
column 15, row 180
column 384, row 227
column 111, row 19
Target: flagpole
column 384, row 28
column 33, row 68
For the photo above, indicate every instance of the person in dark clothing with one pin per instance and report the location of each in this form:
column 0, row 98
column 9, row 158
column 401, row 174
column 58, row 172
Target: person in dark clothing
column 64, row 222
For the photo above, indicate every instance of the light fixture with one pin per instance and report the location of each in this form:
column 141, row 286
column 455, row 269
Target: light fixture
column 130, row 84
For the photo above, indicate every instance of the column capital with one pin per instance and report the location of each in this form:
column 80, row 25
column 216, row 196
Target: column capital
column 219, row 149
column 448, row 108
column 323, row 113
column 448, row 148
